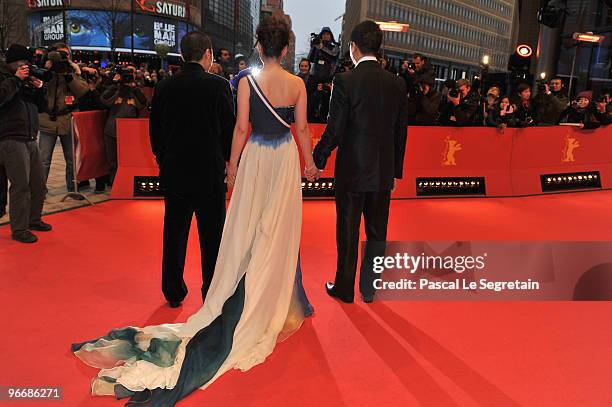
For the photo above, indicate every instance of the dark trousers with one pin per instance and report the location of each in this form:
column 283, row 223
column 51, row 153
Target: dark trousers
column 350, row 205
column 22, row 163
column 110, row 144
column 3, row 191
column 210, row 215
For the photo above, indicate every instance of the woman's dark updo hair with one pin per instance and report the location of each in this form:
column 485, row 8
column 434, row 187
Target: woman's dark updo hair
column 273, row 36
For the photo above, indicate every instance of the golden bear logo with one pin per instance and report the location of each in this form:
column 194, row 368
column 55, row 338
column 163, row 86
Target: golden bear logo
column 452, row 146
column 571, row 144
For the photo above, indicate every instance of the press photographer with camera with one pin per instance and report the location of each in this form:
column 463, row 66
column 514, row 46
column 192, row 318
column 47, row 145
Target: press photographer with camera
column 125, row 99
column 324, row 55
column 550, row 101
column 65, row 87
column 22, row 96
column 461, row 105
column 423, row 104
column 419, row 71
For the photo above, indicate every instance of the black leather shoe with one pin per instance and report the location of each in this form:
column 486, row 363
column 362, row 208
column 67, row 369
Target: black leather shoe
column 40, row 226
column 25, row 237
column 329, row 287
column 368, row 299
column 175, row 304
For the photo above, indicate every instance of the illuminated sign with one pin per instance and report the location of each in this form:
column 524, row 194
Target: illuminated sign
column 47, row 3
column 163, row 7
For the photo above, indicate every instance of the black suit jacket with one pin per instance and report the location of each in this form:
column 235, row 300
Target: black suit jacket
column 191, row 127
column 367, row 122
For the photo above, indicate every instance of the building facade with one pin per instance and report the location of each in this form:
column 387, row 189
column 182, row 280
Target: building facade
column 454, row 34
column 276, row 7
column 231, row 24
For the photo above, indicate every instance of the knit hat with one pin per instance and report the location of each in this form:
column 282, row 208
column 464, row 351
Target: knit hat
column 587, row 94
column 17, row 52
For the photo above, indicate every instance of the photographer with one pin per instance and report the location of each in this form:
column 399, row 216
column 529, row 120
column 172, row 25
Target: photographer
column 525, row 113
column 581, row 112
column 66, row 87
column 501, row 114
column 550, row 102
column 423, row 105
column 124, row 100
column 22, row 96
column 418, row 71
column 324, row 54
column 461, row 106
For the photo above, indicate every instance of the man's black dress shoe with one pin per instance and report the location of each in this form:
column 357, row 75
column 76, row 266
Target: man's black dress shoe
column 25, row 237
column 368, row 299
column 40, row 226
column 329, row 287
column 174, row 304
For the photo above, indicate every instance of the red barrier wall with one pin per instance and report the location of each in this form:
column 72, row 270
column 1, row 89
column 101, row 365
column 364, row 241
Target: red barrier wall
column 90, row 153
column 511, row 161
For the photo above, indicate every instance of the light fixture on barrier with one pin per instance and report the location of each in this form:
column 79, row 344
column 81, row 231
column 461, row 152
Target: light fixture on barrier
column 393, row 26
column 450, row 186
column 147, row 187
column 570, row 181
column 323, row 187
column 485, row 60
column 543, row 75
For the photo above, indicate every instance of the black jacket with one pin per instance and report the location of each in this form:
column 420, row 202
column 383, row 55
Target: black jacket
column 495, row 119
column 191, row 128
column 526, row 116
column 423, row 109
column 123, row 102
column 19, row 107
column 576, row 115
column 550, row 107
column 367, row 123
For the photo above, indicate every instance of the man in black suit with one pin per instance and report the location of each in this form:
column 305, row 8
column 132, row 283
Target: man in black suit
column 367, row 123
column 191, row 127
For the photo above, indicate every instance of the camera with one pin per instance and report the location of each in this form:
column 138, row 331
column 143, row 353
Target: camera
column 43, row 74
column 412, row 66
column 127, row 75
column 60, row 62
column 315, row 39
column 454, row 92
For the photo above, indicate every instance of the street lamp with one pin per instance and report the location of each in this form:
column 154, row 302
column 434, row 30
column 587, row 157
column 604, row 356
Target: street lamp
column 588, row 38
column 485, row 60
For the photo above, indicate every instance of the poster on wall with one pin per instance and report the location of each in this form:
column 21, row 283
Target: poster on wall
column 47, row 28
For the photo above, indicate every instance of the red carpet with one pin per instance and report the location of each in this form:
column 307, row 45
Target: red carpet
column 100, row 269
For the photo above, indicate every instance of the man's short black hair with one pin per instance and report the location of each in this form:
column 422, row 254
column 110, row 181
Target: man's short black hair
column 304, row 60
column 194, row 46
column 368, row 36
column 221, row 50
column 420, row 56
column 557, row 78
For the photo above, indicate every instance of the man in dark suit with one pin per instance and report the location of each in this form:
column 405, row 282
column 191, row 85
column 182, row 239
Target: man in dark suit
column 191, row 127
column 367, row 123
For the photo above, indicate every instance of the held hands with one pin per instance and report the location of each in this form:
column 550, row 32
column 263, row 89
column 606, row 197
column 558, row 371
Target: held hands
column 231, row 171
column 312, row 173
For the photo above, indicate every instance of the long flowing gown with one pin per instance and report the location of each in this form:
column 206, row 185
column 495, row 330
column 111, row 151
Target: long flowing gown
column 256, row 297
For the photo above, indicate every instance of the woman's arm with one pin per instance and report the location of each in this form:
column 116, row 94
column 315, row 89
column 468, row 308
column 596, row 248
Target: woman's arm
column 241, row 130
column 301, row 127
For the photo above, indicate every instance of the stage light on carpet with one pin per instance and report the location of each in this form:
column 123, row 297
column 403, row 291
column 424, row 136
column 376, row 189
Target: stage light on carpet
column 147, row 187
column 570, row 181
column 450, row 186
column 322, row 188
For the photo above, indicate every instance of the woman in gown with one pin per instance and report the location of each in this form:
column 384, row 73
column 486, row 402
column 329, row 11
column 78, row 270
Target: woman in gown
column 256, row 297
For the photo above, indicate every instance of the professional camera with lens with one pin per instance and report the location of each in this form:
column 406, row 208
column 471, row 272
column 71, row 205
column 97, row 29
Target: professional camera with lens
column 315, row 39
column 412, row 66
column 43, row 74
column 541, row 84
column 454, row 92
column 60, row 62
column 127, row 75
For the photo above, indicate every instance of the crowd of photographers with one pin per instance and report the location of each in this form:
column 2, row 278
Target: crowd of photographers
column 460, row 102
column 40, row 89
